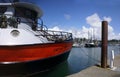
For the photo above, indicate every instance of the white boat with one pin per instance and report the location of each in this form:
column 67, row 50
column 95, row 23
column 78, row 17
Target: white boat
column 26, row 42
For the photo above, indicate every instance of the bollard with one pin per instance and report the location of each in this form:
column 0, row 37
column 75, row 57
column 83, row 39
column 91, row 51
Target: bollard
column 112, row 59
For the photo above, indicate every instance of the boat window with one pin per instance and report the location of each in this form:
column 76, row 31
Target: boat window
column 2, row 10
column 26, row 13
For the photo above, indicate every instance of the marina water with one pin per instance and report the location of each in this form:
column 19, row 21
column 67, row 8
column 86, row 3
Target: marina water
column 79, row 59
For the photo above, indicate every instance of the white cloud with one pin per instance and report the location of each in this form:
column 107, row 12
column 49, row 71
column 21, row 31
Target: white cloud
column 67, row 16
column 107, row 19
column 94, row 20
column 94, row 29
column 56, row 28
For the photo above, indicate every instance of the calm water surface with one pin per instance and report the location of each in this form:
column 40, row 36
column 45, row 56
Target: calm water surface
column 79, row 59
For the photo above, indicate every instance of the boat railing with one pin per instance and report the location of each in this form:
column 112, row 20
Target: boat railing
column 55, row 35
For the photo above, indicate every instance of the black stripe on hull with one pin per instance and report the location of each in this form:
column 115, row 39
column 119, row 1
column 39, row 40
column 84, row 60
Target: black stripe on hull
column 33, row 66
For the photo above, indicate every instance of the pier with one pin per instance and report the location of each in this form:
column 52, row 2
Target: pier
column 96, row 71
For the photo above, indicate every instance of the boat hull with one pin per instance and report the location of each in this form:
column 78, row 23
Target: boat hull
column 32, row 67
column 24, row 53
column 31, row 60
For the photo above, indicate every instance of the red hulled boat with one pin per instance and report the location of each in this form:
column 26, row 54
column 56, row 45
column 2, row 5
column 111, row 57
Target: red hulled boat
column 24, row 41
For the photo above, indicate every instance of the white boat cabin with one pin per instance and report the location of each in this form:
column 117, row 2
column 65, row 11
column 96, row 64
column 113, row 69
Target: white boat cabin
column 19, row 25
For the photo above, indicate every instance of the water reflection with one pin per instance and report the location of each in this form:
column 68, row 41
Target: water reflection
column 60, row 71
column 81, row 58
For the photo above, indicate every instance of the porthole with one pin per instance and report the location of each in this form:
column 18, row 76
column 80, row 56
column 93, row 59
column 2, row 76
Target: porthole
column 15, row 33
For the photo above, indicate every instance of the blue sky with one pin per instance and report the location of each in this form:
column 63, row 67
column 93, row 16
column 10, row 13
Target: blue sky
column 68, row 14
column 54, row 10
column 81, row 16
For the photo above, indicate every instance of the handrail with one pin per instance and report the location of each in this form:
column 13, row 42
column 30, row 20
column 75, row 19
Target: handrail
column 55, row 35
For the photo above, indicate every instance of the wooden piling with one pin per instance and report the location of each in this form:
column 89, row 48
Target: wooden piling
column 104, row 44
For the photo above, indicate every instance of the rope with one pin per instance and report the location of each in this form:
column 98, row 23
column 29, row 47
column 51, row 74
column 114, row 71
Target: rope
column 89, row 55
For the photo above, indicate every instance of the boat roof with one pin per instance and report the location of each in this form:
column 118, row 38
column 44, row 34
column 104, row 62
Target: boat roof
column 25, row 5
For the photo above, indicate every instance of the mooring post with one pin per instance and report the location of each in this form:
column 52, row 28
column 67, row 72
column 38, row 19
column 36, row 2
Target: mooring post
column 104, row 44
column 112, row 56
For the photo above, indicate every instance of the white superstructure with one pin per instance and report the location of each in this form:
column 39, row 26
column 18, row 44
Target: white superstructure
column 16, row 27
column 19, row 26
